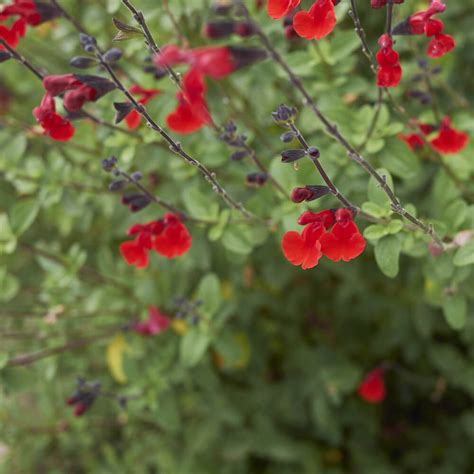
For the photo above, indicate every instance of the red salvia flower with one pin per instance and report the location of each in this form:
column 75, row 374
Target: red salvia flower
column 415, row 141
column 157, row 322
column 440, row 45
column 372, row 388
column 341, row 242
column 77, row 89
column 389, row 72
column 317, row 22
column 344, row 242
column 175, row 239
column 54, row 125
column 192, row 112
column 418, row 22
column 216, row 62
column 167, row 236
column 133, row 119
column 449, row 140
column 279, row 8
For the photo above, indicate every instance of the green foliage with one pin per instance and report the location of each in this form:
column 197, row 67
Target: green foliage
column 264, row 380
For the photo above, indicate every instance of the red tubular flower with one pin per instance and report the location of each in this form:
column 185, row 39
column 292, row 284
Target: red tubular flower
column 168, row 236
column 77, row 89
column 389, row 72
column 133, row 119
column 317, row 22
column 414, row 141
column 372, row 388
column 54, row 125
column 216, row 62
column 156, row 323
column 382, row 3
column 440, row 45
column 449, row 141
column 279, row 8
column 192, row 113
column 344, row 242
column 304, row 249
column 175, row 239
column 13, row 34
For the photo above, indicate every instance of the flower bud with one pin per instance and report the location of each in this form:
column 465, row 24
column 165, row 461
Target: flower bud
column 289, row 156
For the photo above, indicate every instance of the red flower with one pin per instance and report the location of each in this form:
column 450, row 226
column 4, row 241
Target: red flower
column 133, row 119
column 414, row 141
column 342, row 242
column 156, row 323
column 215, row 61
column 192, row 112
column 389, row 72
column 13, row 34
column 175, row 239
column 372, row 388
column 279, row 8
column 54, row 125
column 77, row 89
column 449, row 140
column 316, row 23
column 440, row 45
column 168, row 236
column 304, row 249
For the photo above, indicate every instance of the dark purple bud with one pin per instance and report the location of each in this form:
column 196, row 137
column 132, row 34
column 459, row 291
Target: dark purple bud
column 436, row 70
column 136, row 176
column 47, row 11
column 257, row 179
column 287, row 137
column 117, row 185
column 219, row 29
column 244, row 29
column 87, row 42
column 284, row 114
column 289, row 156
column 122, row 109
column 244, row 56
column 402, row 28
column 101, row 85
column 239, row 155
column 136, row 202
column 108, row 164
column 314, row 152
column 230, row 127
column 309, row 193
column 112, row 55
column 82, row 62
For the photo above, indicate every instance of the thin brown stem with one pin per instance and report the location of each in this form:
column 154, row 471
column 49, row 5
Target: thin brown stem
column 176, row 147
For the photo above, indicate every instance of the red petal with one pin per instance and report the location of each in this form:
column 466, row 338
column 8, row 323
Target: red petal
column 344, row 242
column 279, row 8
column 133, row 120
column 304, row 249
column 134, row 254
column 318, row 22
column 174, row 241
column 372, row 388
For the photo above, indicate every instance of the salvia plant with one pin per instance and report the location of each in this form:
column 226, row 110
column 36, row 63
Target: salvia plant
column 236, row 237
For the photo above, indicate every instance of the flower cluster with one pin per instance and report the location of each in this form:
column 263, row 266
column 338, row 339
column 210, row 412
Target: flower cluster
column 422, row 23
column 157, row 322
column 75, row 90
column 217, row 62
column 329, row 233
column 447, row 141
column 389, row 71
column 372, row 388
column 316, row 23
column 167, row 236
column 24, row 13
column 133, row 118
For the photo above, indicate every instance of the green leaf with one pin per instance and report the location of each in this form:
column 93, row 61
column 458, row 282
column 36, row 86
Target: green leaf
column 387, row 253
column 399, row 159
column 23, row 214
column 215, row 232
column 193, row 346
column 455, row 311
column 9, row 286
column 7, row 238
column 15, row 148
column 375, row 232
column 209, row 291
column 200, row 205
column 3, row 360
column 465, row 255
column 241, row 239
column 375, row 210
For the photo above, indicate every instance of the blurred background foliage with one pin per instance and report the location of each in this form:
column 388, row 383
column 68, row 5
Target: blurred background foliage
column 265, row 382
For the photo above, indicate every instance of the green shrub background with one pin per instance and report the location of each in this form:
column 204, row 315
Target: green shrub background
column 266, row 382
